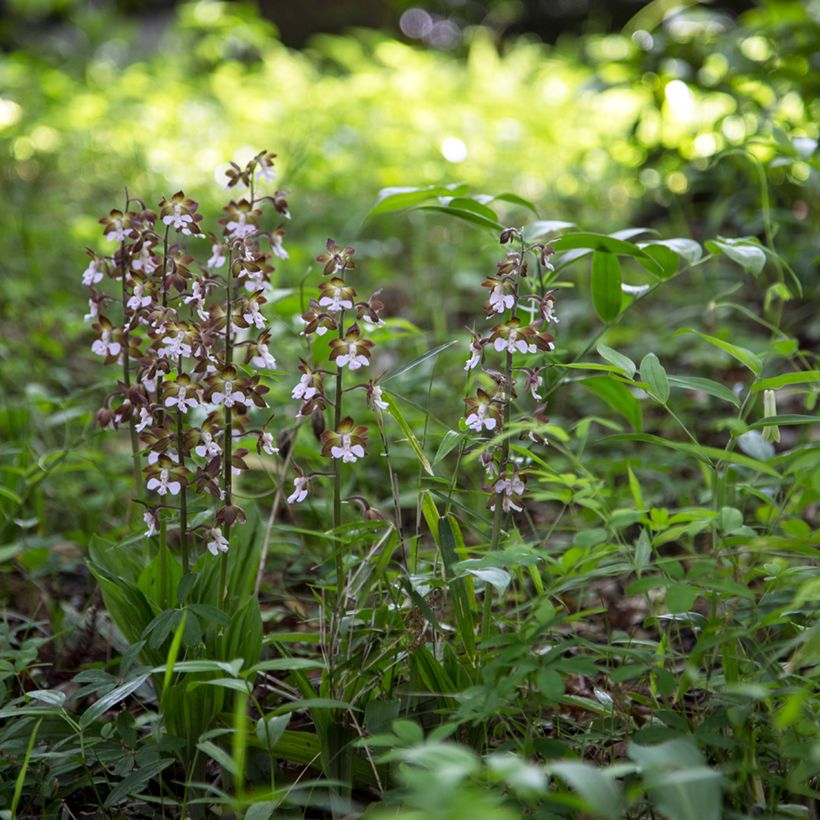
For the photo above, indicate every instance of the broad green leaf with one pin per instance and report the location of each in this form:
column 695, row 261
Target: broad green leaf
column 160, row 628
column 730, row 520
column 599, row 792
column 680, row 597
column 210, row 614
column 746, row 252
column 135, row 781
column 713, row 388
column 513, row 199
column 606, row 285
column 314, row 703
column 643, row 549
column 550, row 684
column 10, row 551
column 235, row 684
column 630, row 233
column 623, row 363
column 262, row 810
column 243, row 638
column 680, row 785
column 464, row 203
column 110, row 700
column 394, row 411
column 596, row 242
column 287, row 665
column 12, row 496
column 666, row 261
column 520, row 775
column 635, row 488
column 495, row 576
column 687, row 249
column 579, row 244
column 754, row 445
column 618, row 396
column 786, row 421
column 380, row 713
column 467, row 215
column 799, row 377
column 269, row 731
column 181, row 667
column 398, row 198
column 447, row 532
column 544, row 227
column 448, row 443
column 186, row 584
column 173, row 654
column 744, row 356
column 653, row 374
column 51, row 697
column 213, row 751
column 159, row 581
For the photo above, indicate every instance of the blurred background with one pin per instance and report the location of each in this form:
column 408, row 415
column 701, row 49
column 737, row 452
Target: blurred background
column 604, row 113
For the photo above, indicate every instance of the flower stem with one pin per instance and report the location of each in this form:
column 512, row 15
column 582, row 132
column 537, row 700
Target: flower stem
column 163, row 287
column 394, row 487
column 126, row 378
column 227, row 474
column 337, row 471
column 183, row 494
column 498, row 513
column 163, row 560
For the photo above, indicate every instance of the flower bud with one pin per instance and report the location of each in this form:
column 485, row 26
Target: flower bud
column 317, row 421
column 770, row 432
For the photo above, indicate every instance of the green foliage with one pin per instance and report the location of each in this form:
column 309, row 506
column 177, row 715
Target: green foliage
column 641, row 639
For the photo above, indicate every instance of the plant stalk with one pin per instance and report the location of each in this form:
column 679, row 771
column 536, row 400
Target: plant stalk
column 136, row 470
column 183, row 495
column 227, row 444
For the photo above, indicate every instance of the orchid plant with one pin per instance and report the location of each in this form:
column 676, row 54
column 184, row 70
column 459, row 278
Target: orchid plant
column 339, row 312
column 178, row 330
column 489, row 408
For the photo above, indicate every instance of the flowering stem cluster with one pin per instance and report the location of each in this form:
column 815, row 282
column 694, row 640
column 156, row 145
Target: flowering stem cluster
column 176, row 330
column 490, row 410
column 337, row 311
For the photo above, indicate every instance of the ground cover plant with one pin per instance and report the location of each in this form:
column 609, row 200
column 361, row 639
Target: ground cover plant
column 489, row 504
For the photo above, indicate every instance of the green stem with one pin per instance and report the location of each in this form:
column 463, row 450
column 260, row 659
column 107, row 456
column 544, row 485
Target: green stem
column 394, row 486
column 136, row 471
column 183, row 496
column 498, row 513
column 164, row 294
column 337, row 474
column 227, row 444
column 163, row 560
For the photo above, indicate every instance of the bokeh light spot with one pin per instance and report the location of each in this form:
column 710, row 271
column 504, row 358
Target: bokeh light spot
column 416, row 23
column 453, row 149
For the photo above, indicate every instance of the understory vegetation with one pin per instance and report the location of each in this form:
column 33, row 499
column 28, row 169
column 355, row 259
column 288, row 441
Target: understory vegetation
column 397, row 432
